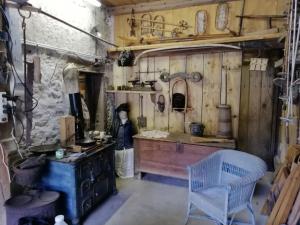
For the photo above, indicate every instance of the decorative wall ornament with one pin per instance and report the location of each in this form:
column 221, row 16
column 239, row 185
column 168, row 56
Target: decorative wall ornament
column 201, row 22
column 222, row 16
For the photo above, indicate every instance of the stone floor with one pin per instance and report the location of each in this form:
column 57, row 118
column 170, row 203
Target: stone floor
column 144, row 202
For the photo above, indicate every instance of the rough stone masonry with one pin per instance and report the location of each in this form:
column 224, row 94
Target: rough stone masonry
column 52, row 101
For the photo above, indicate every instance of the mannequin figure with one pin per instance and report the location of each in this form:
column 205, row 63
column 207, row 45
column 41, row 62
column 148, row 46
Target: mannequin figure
column 122, row 130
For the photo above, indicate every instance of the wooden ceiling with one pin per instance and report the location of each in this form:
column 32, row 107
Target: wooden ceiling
column 114, row 3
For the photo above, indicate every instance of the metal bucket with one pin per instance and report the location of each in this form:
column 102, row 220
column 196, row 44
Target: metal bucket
column 225, row 122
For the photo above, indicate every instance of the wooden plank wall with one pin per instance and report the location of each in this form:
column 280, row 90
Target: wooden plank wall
column 203, row 97
column 255, row 126
column 253, row 7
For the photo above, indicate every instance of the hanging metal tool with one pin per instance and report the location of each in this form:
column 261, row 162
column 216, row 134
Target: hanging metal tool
column 146, row 24
column 24, row 17
column 242, row 17
column 181, row 24
column 159, row 23
column 179, row 100
column 194, row 76
column 27, row 92
column 161, row 103
column 132, row 23
column 142, row 121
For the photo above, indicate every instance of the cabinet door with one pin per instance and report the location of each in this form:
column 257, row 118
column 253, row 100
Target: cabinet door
column 101, row 189
column 85, row 187
column 190, row 154
column 85, row 169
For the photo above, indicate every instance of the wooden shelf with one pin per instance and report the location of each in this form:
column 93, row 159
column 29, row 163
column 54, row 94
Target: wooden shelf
column 132, row 92
column 225, row 40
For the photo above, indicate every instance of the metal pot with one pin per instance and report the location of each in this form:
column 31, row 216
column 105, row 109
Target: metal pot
column 197, row 129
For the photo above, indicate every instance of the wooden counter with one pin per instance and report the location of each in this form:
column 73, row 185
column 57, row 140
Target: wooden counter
column 170, row 156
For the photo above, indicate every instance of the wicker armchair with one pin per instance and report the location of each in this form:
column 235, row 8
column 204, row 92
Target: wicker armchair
column 222, row 185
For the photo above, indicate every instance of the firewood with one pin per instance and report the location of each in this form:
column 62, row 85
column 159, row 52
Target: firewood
column 278, row 184
column 295, row 214
column 286, row 199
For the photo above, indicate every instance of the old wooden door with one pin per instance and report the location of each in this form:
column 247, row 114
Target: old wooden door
column 256, row 131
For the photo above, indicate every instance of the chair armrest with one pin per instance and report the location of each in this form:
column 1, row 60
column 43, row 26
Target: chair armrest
column 204, row 173
column 226, row 188
column 246, row 180
column 241, row 191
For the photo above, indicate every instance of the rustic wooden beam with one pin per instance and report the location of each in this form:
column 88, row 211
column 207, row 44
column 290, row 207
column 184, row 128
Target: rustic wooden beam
column 160, row 5
column 225, row 40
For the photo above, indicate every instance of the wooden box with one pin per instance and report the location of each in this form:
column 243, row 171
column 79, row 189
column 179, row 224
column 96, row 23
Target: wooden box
column 67, row 131
column 171, row 156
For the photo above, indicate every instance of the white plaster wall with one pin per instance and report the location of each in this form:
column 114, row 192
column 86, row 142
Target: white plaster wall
column 52, row 101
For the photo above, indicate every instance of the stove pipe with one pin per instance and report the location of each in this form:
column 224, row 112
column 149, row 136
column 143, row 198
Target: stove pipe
column 76, row 111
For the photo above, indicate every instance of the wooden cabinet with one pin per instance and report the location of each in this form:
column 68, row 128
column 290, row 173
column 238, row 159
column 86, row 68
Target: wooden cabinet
column 83, row 184
column 171, row 156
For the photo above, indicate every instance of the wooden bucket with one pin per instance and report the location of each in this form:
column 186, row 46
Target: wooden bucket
column 225, row 122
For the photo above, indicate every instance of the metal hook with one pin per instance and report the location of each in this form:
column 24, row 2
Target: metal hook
column 22, row 15
column 24, row 18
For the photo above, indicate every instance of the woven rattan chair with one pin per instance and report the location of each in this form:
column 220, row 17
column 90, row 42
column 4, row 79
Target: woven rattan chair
column 222, row 185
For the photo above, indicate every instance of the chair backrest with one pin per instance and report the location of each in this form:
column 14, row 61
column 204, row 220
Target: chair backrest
column 241, row 167
column 237, row 164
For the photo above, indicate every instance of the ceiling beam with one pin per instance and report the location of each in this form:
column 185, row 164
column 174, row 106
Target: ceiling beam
column 160, row 5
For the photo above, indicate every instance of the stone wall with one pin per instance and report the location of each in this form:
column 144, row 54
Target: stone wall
column 41, row 29
column 53, row 103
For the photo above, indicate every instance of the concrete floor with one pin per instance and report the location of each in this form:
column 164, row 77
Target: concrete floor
column 142, row 202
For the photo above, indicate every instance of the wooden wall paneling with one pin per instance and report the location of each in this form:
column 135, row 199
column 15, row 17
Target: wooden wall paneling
column 118, row 80
column 244, row 108
column 232, row 64
column 117, row 75
column 211, row 92
column 195, row 63
column 156, row 5
column 177, row 64
column 282, row 8
column 267, row 7
column 120, row 29
column 265, row 126
column 255, row 123
column 254, row 118
column 148, row 105
column 134, row 99
column 161, row 121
